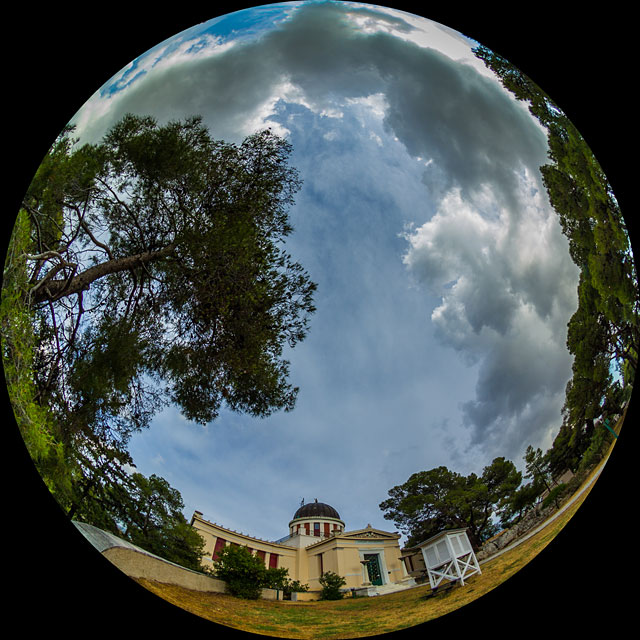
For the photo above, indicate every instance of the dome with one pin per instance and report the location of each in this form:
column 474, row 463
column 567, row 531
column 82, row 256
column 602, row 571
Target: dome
column 316, row 510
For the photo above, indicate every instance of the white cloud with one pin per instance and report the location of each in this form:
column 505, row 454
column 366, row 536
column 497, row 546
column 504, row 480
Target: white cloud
column 507, row 288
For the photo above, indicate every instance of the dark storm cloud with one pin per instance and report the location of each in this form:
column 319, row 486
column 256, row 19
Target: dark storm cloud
column 440, row 109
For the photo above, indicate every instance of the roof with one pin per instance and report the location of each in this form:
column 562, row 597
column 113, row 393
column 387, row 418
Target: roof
column 432, row 539
column 316, row 510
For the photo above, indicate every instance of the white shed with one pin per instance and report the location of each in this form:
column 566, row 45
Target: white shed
column 449, row 556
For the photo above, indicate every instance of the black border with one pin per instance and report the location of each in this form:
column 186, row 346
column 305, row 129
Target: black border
column 60, row 54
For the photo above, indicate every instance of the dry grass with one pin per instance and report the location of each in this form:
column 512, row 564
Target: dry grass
column 359, row 617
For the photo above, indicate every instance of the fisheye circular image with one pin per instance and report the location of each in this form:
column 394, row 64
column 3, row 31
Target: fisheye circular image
column 320, row 320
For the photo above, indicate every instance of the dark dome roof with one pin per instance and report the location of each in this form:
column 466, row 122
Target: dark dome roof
column 316, row 509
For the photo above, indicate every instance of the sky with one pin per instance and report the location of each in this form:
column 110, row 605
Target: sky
column 444, row 281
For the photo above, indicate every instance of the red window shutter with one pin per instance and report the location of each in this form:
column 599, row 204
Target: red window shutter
column 273, row 561
column 220, row 543
column 306, row 528
column 327, row 532
column 261, row 555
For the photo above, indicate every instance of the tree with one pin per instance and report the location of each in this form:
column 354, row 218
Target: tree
column 150, row 513
column 517, row 504
column 538, row 471
column 331, row 584
column 566, row 450
column 101, row 484
column 158, row 253
column 439, row 499
column 19, row 348
column 502, row 480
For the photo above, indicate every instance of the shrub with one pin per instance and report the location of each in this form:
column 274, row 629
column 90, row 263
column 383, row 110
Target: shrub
column 244, row 573
column 296, row 586
column 331, row 583
column 276, row 578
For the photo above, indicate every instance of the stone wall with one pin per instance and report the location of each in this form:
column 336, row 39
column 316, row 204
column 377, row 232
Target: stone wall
column 528, row 522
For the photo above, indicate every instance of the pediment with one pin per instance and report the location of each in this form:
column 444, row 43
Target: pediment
column 370, row 533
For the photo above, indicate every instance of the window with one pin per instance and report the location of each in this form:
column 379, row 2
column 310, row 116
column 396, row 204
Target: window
column 327, row 532
column 273, row 561
column 220, row 543
column 261, row 555
column 316, row 528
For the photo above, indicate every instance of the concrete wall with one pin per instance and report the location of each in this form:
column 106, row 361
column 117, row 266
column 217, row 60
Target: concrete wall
column 138, row 563
column 141, row 565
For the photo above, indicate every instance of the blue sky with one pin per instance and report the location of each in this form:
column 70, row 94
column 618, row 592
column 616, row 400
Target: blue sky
column 444, row 281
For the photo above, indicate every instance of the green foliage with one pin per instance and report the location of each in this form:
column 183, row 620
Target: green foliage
column 153, row 250
column 566, row 451
column 518, row 503
column 554, row 496
column 604, row 332
column 432, row 501
column 143, row 269
column 295, row 586
column 537, row 467
column 151, row 517
column 331, row 584
column 19, row 347
column 601, row 439
column 276, row 578
column 244, row 573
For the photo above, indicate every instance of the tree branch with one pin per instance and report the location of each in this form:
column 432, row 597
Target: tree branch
column 56, row 289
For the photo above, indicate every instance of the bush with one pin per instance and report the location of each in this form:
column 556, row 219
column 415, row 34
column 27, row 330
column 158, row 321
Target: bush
column 244, row 573
column 296, row 586
column 331, row 583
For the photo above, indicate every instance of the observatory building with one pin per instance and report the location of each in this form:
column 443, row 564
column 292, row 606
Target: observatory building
column 317, row 542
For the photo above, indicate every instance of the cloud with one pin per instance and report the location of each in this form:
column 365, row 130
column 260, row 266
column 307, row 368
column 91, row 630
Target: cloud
column 507, row 288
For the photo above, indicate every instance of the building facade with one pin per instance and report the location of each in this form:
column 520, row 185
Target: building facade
column 317, row 542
